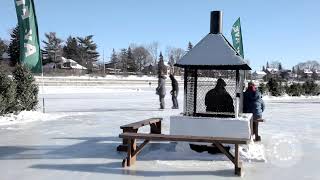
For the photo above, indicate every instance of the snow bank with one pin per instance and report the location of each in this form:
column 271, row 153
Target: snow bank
column 287, row 97
column 110, row 77
column 85, row 90
column 27, row 116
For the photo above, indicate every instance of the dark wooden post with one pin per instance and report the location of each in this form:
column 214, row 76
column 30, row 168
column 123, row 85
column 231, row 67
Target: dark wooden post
column 237, row 165
column 195, row 90
column 132, row 146
column 185, row 91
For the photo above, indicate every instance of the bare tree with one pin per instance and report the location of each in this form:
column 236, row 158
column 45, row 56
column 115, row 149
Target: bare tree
column 141, row 56
column 153, row 50
column 275, row 64
column 174, row 54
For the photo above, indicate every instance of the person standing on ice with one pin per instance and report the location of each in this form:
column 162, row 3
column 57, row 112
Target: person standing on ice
column 174, row 92
column 161, row 90
column 253, row 103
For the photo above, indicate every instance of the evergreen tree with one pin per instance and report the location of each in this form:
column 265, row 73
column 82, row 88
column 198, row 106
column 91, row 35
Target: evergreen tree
column 279, row 67
column 3, row 48
column 267, row 65
column 293, row 70
column 190, row 46
column 263, row 69
column 314, row 76
column 262, row 88
column 26, row 89
column 295, row 89
column 87, row 52
column 161, row 66
column 274, row 87
column 71, row 49
column 114, row 59
column 14, row 47
column 132, row 66
column 7, row 93
column 124, row 60
column 310, row 88
column 53, row 47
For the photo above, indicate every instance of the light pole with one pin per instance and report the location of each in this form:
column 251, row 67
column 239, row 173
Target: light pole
column 104, row 65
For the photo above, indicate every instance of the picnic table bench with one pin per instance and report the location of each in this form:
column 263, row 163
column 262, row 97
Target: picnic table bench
column 133, row 149
column 155, row 128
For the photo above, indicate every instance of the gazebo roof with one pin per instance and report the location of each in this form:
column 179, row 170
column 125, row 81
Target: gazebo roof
column 213, row 52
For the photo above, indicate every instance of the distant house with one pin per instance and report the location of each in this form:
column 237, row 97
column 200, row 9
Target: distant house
column 293, row 75
column 257, row 75
column 69, row 64
column 149, row 68
column 5, row 58
column 272, row 70
column 307, row 72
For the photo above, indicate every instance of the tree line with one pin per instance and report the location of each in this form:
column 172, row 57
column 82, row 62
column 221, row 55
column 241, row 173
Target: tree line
column 134, row 59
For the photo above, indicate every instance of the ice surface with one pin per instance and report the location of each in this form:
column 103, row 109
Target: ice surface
column 78, row 136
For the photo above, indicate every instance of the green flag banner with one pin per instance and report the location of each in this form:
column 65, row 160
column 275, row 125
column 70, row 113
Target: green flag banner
column 30, row 54
column 237, row 37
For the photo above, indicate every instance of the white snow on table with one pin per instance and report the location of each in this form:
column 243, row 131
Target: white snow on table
column 211, row 126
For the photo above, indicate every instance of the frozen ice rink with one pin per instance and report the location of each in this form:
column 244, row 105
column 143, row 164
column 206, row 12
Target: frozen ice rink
column 78, row 136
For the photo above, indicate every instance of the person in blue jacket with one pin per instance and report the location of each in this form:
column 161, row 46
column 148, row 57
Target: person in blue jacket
column 253, row 103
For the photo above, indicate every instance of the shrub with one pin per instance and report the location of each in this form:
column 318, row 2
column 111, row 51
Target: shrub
column 274, row 87
column 7, row 93
column 310, row 88
column 262, row 88
column 294, row 89
column 26, row 89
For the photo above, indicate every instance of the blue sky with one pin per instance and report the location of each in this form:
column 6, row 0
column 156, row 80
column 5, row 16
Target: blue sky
column 283, row 30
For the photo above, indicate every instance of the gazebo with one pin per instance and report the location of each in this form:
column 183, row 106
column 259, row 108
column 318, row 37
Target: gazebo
column 213, row 81
column 211, row 63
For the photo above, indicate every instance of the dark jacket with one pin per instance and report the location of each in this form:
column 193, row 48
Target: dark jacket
column 175, row 86
column 161, row 89
column 219, row 100
column 253, row 103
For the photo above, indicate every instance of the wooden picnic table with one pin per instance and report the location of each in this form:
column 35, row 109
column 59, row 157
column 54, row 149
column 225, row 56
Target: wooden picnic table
column 134, row 149
column 155, row 128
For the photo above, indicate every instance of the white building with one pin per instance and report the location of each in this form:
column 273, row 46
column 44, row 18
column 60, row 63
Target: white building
column 258, row 75
column 70, row 64
column 307, row 72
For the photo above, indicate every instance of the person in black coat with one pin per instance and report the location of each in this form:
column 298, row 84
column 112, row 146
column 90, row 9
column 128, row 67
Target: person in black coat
column 218, row 99
column 174, row 92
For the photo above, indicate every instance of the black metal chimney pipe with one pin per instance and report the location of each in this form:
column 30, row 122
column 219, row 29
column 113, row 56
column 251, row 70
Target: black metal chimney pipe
column 216, row 22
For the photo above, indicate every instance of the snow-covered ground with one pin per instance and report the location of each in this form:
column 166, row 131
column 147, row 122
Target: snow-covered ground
column 77, row 138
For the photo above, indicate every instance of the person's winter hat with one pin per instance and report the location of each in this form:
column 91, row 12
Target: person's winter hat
column 251, row 86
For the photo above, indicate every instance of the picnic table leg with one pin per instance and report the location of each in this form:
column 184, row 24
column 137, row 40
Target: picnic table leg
column 237, row 164
column 125, row 142
column 131, row 158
